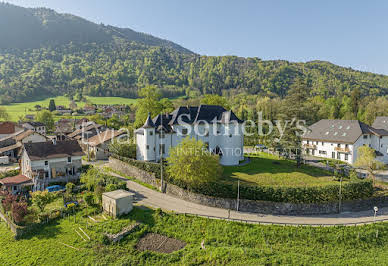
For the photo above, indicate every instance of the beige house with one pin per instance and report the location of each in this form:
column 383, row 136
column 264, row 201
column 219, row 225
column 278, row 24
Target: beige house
column 99, row 144
column 118, row 202
column 51, row 162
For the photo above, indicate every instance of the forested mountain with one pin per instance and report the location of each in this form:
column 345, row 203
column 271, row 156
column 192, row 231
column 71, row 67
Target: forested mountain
column 46, row 53
column 39, row 27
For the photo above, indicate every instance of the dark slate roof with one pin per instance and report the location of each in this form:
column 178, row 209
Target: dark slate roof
column 161, row 122
column 148, row 123
column 381, row 122
column 49, row 150
column 192, row 115
column 344, row 131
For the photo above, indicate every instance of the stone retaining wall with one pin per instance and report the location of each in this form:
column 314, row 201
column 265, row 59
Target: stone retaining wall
column 263, row 207
column 132, row 171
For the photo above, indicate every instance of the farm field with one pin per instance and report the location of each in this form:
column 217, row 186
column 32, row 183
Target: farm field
column 225, row 243
column 16, row 110
column 267, row 169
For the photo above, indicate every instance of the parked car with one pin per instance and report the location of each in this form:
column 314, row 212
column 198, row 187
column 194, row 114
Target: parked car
column 55, row 188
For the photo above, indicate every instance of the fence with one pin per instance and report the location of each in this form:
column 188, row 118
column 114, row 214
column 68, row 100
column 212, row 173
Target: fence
column 283, row 224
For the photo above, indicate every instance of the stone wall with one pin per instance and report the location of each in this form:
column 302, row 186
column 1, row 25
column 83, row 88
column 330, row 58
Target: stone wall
column 133, row 171
column 263, row 207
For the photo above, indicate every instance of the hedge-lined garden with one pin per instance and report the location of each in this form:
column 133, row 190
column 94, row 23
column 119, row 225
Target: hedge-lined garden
column 351, row 190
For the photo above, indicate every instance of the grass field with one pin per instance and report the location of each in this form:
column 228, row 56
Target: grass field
column 225, row 242
column 267, row 169
column 16, row 110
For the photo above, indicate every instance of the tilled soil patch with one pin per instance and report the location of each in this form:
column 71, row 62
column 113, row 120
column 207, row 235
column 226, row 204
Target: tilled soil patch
column 159, row 243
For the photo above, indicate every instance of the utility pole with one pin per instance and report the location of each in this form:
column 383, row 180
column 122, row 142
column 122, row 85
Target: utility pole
column 340, row 196
column 161, row 154
column 238, row 194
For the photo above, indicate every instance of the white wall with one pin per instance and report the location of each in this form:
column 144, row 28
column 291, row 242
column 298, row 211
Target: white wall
column 373, row 141
column 230, row 141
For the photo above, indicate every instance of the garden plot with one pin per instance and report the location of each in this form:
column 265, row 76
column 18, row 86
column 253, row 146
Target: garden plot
column 159, row 243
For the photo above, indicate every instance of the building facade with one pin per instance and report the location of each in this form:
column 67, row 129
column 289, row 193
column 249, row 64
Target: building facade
column 220, row 130
column 340, row 140
column 51, row 162
column 35, row 126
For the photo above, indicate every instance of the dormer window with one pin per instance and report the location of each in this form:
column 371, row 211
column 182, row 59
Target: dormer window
column 69, row 159
column 151, row 133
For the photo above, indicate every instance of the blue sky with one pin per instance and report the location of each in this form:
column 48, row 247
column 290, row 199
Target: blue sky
column 350, row 33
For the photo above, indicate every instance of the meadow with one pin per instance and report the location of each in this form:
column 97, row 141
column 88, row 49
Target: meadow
column 270, row 170
column 16, row 110
column 225, row 243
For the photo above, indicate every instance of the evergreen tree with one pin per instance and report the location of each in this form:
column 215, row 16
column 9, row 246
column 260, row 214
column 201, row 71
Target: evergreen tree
column 52, row 106
column 294, row 112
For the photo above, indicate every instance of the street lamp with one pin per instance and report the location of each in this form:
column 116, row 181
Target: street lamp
column 375, row 210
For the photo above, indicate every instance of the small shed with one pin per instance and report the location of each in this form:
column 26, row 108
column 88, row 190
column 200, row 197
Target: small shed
column 117, row 202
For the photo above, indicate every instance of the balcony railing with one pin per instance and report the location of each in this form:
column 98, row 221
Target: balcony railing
column 339, row 149
column 310, row 146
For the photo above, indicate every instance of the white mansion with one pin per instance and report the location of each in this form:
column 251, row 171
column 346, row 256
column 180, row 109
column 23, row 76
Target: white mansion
column 223, row 137
column 340, row 139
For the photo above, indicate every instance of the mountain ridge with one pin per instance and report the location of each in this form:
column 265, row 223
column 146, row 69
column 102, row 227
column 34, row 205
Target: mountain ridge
column 43, row 52
column 39, row 27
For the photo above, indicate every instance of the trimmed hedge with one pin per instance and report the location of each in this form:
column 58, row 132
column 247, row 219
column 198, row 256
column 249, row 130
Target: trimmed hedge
column 351, row 190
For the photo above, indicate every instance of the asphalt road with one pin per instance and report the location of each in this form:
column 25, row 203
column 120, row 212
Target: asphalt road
column 154, row 199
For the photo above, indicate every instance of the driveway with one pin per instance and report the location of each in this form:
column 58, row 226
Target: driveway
column 154, row 199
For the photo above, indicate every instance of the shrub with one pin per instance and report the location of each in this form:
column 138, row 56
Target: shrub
column 41, row 198
column 89, row 198
column 69, row 188
column 19, row 211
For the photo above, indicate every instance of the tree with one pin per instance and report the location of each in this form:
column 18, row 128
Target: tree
column 294, row 110
column 52, row 106
column 367, row 160
column 192, row 163
column 41, row 199
column 88, row 198
column 214, row 99
column 166, row 105
column 8, row 201
column 73, row 105
column 123, row 149
column 148, row 104
column 4, row 116
column 70, row 188
column 46, row 118
column 19, row 211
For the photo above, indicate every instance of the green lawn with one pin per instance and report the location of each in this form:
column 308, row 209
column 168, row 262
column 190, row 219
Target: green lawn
column 21, row 109
column 226, row 243
column 267, row 169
